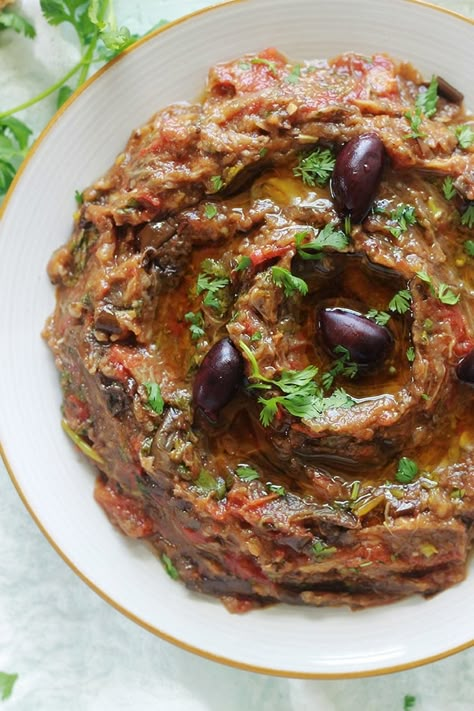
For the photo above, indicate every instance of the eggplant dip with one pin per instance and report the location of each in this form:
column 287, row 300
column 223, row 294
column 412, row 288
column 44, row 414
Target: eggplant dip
column 264, row 331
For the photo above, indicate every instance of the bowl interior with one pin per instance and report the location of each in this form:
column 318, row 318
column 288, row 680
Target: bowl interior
column 54, row 479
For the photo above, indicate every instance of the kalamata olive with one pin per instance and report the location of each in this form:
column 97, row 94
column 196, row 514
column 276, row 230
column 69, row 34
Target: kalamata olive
column 357, row 175
column 218, row 376
column 367, row 342
column 449, row 92
column 465, row 369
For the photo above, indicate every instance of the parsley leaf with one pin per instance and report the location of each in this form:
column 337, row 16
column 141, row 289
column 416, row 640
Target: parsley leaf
column 276, row 488
column 380, row 317
column 467, row 218
column 246, row 473
column 11, row 20
column 406, row 471
column 7, row 682
column 244, row 263
column 315, row 168
column 469, row 247
column 409, row 702
column 14, row 137
column 449, row 191
column 155, row 399
column 465, row 135
column 169, row 567
column 207, row 484
column 271, row 66
column 289, row 283
column 411, row 354
column 426, row 100
column 196, row 323
column 322, row 550
column 294, row 75
column 443, row 293
column 210, row 210
column 342, row 366
column 414, row 118
column 327, row 237
column 404, row 216
column 401, row 302
column 217, row 183
column 213, row 282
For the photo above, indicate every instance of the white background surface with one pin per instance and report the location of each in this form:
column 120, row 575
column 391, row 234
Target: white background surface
column 70, row 649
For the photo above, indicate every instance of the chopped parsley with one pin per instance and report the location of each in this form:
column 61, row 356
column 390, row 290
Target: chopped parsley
column 257, row 336
column 469, row 247
column 401, row 302
column 342, row 366
column 414, row 119
column 169, row 567
column 301, row 396
column 7, row 682
column 217, row 183
column 155, row 399
column 443, row 293
column 244, row 263
column 327, row 237
column 289, row 283
column 381, row 318
column 409, row 702
column 271, row 66
column 322, row 550
column 212, row 282
column 210, row 210
column 315, row 168
column 410, row 354
column 207, row 484
column 406, row 471
column 403, row 216
column 246, row 473
column 79, row 197
column 467, row 218
column 294, row 75
column 275, row 488
column 426, row 100
column 465, row 136
column 14, row 144
column 196, row 323
column 449, row 191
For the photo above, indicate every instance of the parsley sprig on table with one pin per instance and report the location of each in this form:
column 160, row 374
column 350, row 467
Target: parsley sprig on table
column 316, row 167
column 100, row 39
column 301, row 396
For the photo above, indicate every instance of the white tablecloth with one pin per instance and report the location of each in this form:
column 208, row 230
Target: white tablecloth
column 72, row 651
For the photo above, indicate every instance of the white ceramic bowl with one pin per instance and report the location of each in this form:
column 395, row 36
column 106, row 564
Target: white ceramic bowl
column 55, row 481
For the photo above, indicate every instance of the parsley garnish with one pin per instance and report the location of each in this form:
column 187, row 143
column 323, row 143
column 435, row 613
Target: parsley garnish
column 289, row 283
column 244, row 263
column 14, row 139
column 196, row 323
column 210, row 210
column 443, row 293
column 316, row 167
column 467, row 218
column 301, row 395
column 380, row 317
column 342, row 366
column 465, row 136
column 169, row 567
column 415, row 118
column 257, row 336
column 217, row 183
column 406, row 471
column 401, row 302
column 206, row 484
column 469, row 247
column 403, row 215
column 7, row 682
column 11, row 20
column 270, row 65
column 155, row 399
column 411, row 354
column 276, row 488
column 327, row 237
column 426, row 100
column 294, row 75
column 449, row 191
column 322, row 550
column 79, row 198
column 212, row 281
column 246, row 473
column 409, row 702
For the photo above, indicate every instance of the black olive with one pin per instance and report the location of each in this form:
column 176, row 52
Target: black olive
column 465, row 369
column 367, row 342
column 218, row 377
column 357, row 175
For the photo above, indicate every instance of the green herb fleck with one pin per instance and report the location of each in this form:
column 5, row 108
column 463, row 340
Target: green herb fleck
column 169, row 567
column 316, row 167
column 263, row 152
column 294, row 75
column 469, row 247
column 271, row 66
column 210, row 210
column 409, row 702
column 443, row 293
column 322, row 550
column 257, row 336
column 217, row 183
column 342, row 366
column 465, row 136
column 380, row 317
column 246, row 473
column 458, row 494
column 207, row 484
column 289, row 283
column 467, row 218
column 196, row 323
column 244, row 263
column 414, row 118
column 275, row 488
column 411, row 354
column 7, row 682
column 327, row 237
column 403, row 216
column 79, row 198
column 212, row 282
column 401, row 302
column 426, row 100
column 355, row 488
column 406, row 471
column 155, row 399
column 245, row 66
column 449, row 191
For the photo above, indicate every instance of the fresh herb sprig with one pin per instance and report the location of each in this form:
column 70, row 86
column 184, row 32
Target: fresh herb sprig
column 442, row 292
column 341, row 366
column 212, row 282
column 426, row 100
column 465, row 135
column 381, row 318
column 407, row 470
column 288, row 282
column 196, row 323
column 12, row 20
column 467, row 217
column 401, row 302
column 316, row 167
column 403, row 216
column 449, row 191
column 329, row 236
column 155, row 399
column 302, row 397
